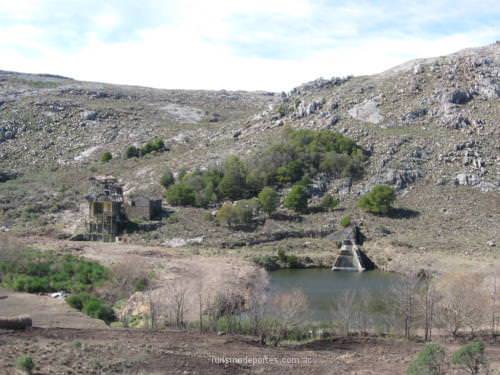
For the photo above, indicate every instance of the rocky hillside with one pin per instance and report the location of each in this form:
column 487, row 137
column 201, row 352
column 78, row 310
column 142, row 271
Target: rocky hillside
column 431, row 127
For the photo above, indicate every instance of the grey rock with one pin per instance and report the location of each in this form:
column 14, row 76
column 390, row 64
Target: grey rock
column 460, row 97
column 88, row 115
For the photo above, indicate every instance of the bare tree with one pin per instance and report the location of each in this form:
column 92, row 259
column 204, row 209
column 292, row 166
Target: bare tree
column 404, row 295
column 290, row 308
column 176, row 302
column 462, row 302
column 342, row 309
column 427, row 299
column 491, row 285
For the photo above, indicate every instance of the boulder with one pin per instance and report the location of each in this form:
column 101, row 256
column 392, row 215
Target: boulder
column 88, row 115
column 459, row 96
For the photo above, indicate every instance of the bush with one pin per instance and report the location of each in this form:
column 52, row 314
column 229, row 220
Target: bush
column 430, row 361
column 270, row 263
column 328, row 202
column 167, row 179
column 269, row 200
column 345, row 221
column 106, row 156
column 180, row 194
column 132, row 152
column 156, row 144
column 95, row 308
column 296, row 199
column 234, row 215
column 25, row 363
column 470, row 357
column 78, row 300
column 379, row 200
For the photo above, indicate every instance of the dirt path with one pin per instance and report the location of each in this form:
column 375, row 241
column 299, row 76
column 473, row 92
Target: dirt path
column 45, row 311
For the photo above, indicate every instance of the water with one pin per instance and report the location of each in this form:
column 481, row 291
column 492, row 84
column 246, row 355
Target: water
column 322, row 286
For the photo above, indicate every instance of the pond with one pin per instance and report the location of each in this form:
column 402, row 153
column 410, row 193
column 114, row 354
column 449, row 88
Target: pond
column 321, row 286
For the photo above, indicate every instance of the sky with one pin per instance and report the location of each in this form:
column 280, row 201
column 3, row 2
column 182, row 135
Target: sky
column 271, row 45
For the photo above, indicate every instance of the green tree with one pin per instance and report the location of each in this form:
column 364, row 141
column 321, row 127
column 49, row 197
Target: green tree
column 470, row 357
column 233, row 184
column 269, row 200
column 328, row 202
column 296, row 199
column 180, row 194
column 379, row 200
column 429, row 361
column 167, row 179
column 106, row 156
column 234, row 215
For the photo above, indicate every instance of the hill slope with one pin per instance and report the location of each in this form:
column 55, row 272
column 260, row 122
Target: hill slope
column 431, row 127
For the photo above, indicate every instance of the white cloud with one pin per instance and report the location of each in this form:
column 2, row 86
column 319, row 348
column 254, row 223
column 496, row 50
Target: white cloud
column 195, row 48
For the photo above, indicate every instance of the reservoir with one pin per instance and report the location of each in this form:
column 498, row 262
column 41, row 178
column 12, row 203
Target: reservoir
column 322, row 286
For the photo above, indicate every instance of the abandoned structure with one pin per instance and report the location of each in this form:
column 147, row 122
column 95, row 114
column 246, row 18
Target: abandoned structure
column 352, row 257
column 142, row 207
column 106, row 214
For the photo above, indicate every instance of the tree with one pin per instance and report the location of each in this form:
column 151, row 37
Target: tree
column 269, row 200
column 462, row 302
column 328, row 202
column 404, row 295
column 106, row 156
column 296, row 199
column 234, row 215
column 167, row 179
column 180, row 194
column 233, row 184
column 379, row 200
column 429, row 361
column 290, row 308
column 470, row 357
column 343, row 310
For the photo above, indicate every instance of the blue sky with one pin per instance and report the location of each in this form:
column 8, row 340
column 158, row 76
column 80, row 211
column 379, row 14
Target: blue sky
column 253, row 44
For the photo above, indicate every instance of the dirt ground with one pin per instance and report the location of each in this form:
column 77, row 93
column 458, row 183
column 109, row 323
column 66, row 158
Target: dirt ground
column 120, row 351
column 45, row 311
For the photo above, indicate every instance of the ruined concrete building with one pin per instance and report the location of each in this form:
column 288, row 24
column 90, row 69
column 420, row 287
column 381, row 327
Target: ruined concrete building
column 106, row 213
column 142, row 208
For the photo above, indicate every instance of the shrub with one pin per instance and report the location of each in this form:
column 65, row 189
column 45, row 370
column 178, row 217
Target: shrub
column 234, row 215
column 270, row 263
column 296, row 199
column 156, row 144
column 167, row 179
column 132, row 152
column 78, row 300
column 328, row 202
column 180, row 194
column 379, row 200
column 269, row 200
column 293, row 261
column 95, row 308
column 106, row 156
column 345, row 221
column 430, row 361
column 25, row 363
column 470, row 357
